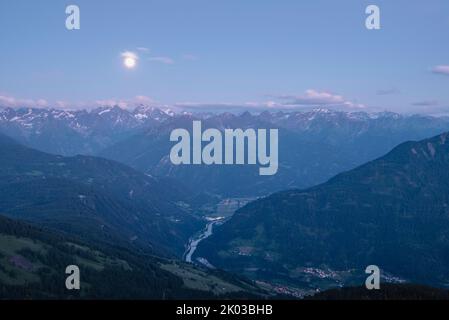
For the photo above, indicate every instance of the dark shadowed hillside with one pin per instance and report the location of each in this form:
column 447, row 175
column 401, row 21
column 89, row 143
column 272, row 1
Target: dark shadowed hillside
column 386, row 292
column 392, row 212
column 33, row 263
column 93, row 197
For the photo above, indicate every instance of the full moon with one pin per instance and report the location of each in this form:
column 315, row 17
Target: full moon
column 129, row 62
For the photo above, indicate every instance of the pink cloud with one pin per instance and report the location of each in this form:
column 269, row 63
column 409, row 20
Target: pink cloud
column 8, row 101
column 442, row 69
column 319, row 98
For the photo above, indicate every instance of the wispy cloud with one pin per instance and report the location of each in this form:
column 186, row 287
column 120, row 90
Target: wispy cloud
column 189, row 57
column 143, row 49
column 164, row 60
column 130, row 103
column 145, row 52
column 143, row 100
column 9, row 101
column 318, row 98
column 126, row 103
column 426, row 103
column 442, row 69
column 387, row 92
column 219, row 106
column 310, row 99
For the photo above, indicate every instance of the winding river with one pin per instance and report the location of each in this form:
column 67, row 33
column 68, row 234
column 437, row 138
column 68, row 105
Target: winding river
column 193, row 243
column 224, row 211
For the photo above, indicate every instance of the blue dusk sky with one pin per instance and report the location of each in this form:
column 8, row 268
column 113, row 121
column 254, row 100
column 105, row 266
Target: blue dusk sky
column 227, row 54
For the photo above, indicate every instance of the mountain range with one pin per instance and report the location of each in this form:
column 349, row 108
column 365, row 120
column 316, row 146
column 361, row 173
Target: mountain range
column 72, row 132
column 313, row 145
